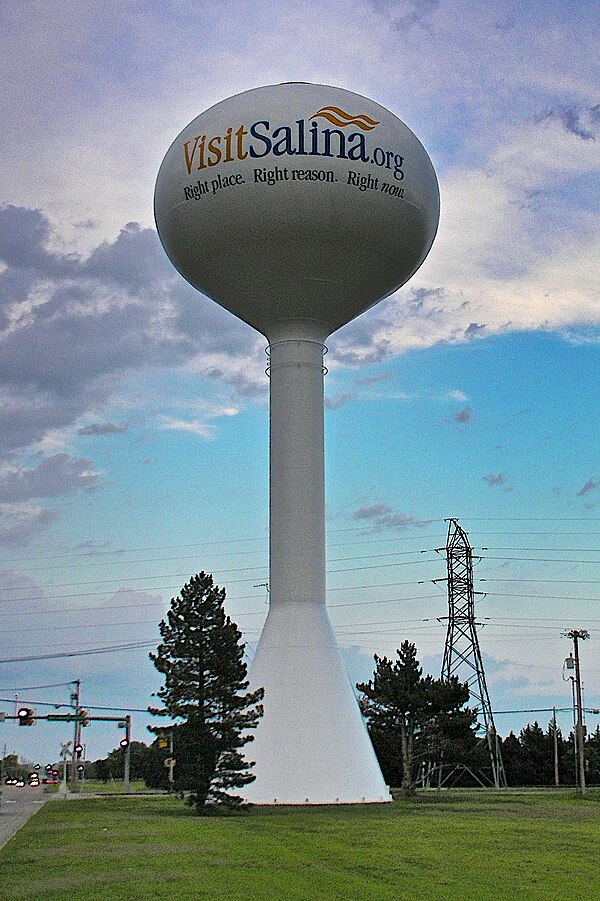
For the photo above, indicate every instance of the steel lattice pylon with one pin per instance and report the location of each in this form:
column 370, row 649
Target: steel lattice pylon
column 462, row 656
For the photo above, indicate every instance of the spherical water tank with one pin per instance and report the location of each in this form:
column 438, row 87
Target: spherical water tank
column 297, row 201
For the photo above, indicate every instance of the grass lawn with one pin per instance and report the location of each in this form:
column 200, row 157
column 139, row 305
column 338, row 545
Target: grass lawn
column 467, row 845
column 93, row 786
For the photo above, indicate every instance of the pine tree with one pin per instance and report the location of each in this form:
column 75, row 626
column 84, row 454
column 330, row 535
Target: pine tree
column 201, row 658
column 408, row 713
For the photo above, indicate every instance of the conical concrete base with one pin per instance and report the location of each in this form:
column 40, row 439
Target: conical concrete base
column 311, row 746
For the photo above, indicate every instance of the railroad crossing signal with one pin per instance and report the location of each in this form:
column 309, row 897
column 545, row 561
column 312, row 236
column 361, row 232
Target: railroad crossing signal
column 169, row 761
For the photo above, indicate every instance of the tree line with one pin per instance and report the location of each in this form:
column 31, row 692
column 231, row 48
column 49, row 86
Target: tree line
column 528, row 759
column 423, row 730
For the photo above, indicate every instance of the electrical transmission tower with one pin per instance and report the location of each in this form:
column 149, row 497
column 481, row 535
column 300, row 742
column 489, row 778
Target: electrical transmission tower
column 462, row 656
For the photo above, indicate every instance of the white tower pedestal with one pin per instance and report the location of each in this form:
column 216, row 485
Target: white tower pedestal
column 312, row 745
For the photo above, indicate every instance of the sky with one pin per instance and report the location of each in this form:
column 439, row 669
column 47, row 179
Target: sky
column 134, row 411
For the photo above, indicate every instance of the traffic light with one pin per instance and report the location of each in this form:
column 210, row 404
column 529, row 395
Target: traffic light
column 84, row 714
column 163, row 741
column 79, row 751
column 80, row 767
column 26, row 716
column 125, row 724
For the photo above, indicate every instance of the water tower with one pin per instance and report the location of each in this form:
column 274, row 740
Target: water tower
column 297, row 207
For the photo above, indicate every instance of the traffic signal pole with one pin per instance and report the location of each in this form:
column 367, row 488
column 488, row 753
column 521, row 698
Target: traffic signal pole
column 25, row 717
column 127, row 767
column 76, row 729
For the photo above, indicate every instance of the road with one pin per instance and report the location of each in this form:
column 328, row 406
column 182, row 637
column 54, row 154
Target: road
column 16, row 806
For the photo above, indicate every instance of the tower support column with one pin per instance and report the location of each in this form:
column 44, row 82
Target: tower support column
column 297, row 464
column 311, row 746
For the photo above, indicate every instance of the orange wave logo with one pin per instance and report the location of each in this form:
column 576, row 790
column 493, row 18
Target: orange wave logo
column 341, row 118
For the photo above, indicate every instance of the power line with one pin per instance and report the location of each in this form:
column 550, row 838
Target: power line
column 34, row 687
column 127, row 562
column 348, row 569
column 39, row 703
column 201, row 544
column 239, row 614
column 586, row 550
column 221, row 573
column 553, row 581
column 82, row 653
column 86, row 610
column 264, row 538
column 539, row 559
column 488, row 622
column 161, row 603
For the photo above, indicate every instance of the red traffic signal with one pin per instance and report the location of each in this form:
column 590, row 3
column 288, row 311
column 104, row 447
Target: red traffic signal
column 124, row 742
column 78, row 750
column 26, row 716
column 80, row 767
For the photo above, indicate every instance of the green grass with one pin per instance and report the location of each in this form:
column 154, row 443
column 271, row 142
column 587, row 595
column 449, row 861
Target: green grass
column 93, row 786
column 449, row 845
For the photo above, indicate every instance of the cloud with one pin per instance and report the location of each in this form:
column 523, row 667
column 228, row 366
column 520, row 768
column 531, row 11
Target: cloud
column 580, row 121
column 457, row 395
column 473, row 329
column 406, row 14
column 494, row 479
column 463, row 416
column 499, row 264
column 196, row 426
column 85, row 301
column 364, row 380
column 102, row 428
column 247, row 383
column 53, row 477
column 73, row 328
column 358, row 665
column 333, row 403
column 590, row 485
column 19, row 523
column 381, row 515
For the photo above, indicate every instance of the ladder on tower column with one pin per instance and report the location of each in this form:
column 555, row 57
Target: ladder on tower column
column 462, row 656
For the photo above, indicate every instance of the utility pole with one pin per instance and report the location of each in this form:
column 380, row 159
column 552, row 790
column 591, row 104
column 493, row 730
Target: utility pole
column 462, row 655
column 569, row 667
column 77, row 727
column 576, row 635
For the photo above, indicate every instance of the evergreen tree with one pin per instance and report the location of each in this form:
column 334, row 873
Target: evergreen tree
column 513, row 760
column 201, row 658
column 538, row 756
column 408, row 715
column 592, row 757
